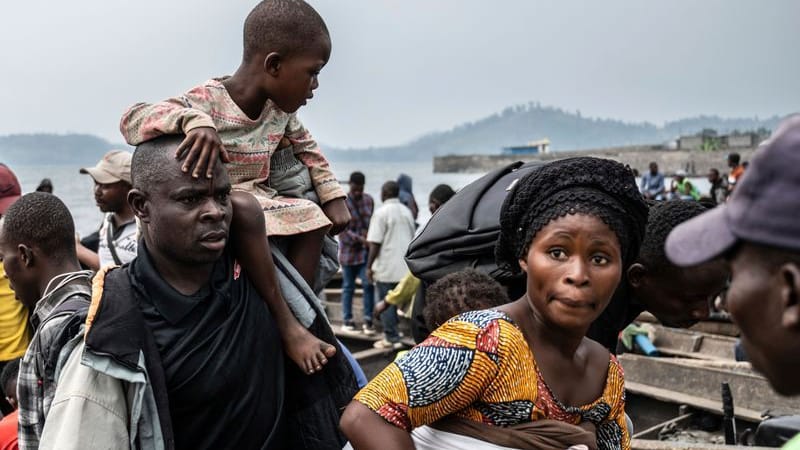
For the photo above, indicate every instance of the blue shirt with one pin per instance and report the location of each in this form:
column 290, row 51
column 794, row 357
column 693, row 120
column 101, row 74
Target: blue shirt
column 653, row 184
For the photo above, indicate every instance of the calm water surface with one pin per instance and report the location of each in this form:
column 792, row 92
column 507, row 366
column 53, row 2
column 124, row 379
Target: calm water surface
column 75, row 189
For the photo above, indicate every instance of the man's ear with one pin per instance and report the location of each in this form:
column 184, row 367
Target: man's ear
column 523, row 265
column 272, row 63
column 636, row 273
column 139, row 204
column 26, row 255
column 790, row 296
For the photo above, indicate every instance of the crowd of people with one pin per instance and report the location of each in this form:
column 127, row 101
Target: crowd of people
column 653, row 185
column 195, row 321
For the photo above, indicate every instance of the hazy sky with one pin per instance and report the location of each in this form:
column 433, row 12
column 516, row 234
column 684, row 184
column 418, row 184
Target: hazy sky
column 402, row 68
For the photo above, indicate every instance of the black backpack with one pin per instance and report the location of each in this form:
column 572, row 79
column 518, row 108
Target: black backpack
column 463, row 232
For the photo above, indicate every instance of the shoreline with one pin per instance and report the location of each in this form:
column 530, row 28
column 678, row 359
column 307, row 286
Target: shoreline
column 696, row 163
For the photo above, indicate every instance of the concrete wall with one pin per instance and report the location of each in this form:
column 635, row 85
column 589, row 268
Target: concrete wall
column 638, row 157
column 690, row 143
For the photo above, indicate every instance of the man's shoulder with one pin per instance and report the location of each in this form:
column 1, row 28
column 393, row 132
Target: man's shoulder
column 76, row 303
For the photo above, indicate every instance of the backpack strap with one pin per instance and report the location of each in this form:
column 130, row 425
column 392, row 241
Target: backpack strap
column 76, row 307
column 110, row 241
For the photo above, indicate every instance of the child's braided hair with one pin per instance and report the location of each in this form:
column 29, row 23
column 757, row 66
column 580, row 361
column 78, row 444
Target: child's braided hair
column 599, row 187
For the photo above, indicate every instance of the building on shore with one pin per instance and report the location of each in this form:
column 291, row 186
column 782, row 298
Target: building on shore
column 531, row 148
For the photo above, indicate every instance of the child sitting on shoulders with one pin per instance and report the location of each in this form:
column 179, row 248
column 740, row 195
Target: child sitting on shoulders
column 243, row 118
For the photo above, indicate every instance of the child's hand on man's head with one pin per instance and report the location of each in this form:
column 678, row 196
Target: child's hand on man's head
column 200, row 149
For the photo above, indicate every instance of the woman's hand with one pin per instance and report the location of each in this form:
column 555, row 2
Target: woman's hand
column 199, row 150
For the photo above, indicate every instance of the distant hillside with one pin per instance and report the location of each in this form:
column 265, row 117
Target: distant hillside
column 53, row 149
column 513, row 126
column 566, row 130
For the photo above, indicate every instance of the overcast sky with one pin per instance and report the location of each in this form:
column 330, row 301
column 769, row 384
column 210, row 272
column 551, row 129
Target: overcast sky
column 402, row 68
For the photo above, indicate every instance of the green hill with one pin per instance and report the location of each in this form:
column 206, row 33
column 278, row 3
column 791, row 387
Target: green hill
column 566, row 130
column 53, row 149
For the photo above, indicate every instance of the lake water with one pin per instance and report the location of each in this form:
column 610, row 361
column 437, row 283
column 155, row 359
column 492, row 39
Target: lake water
column 75, row 189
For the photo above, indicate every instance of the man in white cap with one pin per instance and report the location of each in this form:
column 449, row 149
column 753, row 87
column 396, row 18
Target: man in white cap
column 112, row 181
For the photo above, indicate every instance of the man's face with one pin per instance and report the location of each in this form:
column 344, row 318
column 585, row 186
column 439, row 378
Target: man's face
column 21, row 279
column 653, row 169
column 111, row 197
column 713, row 176
column 356, row 190
column 680, row 297
column 188, row 219
column 755, row 300
column 297, row 77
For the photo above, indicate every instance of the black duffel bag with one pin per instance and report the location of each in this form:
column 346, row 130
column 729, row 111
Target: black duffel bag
column 463, row 232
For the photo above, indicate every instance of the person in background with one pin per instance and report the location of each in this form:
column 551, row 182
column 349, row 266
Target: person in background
column 45, row 186
column 404, row 295
column 682, row 188
column 390, row 231
column 14, row 331
column 737, row 170
column 406, row 195
column 439, row 195
column 9, row 423
column 758, row 233
column 718, row 192
column 118, row 233
column 353, row 250
column 677, row 296
column 652, row 183
column 37, row 247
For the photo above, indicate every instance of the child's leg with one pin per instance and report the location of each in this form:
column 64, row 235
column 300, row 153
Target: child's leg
column 251, row 247
column 305, row 251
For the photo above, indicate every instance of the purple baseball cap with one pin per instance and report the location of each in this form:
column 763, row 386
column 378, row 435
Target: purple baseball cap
column 763, row 209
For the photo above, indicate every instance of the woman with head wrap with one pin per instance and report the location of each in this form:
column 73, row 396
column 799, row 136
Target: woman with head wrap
column 573, row 227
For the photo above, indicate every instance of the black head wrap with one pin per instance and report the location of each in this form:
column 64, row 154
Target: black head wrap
column 599, row 187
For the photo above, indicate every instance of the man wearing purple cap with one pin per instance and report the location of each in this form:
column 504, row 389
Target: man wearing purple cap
column 759, row 232
column 118, row 233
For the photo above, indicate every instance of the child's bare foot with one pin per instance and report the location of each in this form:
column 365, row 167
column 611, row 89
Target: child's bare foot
column 306, row 350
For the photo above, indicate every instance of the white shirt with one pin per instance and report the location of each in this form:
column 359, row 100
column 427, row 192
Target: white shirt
column 392, row 226
column 125, row 243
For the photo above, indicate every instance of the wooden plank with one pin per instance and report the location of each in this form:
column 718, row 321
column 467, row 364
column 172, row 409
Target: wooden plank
column 679, row 398
column 701, row 379
column 643, row 444
column 656, row 428
column 717, row 327
column 676, row 341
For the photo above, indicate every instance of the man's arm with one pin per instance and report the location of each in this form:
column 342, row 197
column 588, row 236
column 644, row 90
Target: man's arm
column 89, row 410
column 374, row 250
column 87, row 257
